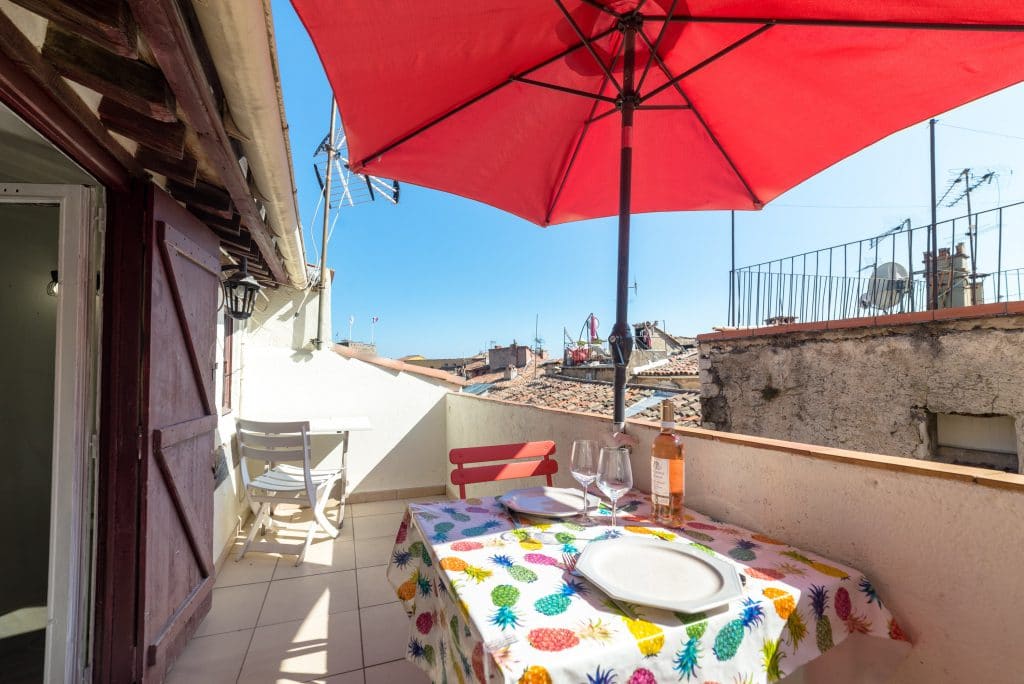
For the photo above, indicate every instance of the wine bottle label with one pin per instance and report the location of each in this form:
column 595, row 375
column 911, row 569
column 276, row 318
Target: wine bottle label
column 660, row 486
column 666, row 479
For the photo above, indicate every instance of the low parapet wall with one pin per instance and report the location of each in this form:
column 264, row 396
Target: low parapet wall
column 943, row 544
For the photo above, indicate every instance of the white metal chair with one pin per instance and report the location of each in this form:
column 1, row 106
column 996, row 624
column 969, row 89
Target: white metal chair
column 287, row 477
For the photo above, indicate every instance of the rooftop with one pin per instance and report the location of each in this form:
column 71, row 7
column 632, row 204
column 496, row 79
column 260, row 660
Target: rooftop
column 590, row 396
column 402, row 366
column 678, row 364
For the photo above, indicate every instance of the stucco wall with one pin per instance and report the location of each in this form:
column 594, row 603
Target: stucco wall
column 868, row 388
column 942, row 544
column 228, row 508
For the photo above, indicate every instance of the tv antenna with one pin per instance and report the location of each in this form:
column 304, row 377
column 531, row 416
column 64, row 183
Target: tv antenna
column 969, row 182
column 331, row 162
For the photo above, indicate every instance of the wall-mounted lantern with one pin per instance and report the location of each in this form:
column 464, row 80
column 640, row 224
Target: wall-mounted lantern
column 53, row 286
column 240, row 290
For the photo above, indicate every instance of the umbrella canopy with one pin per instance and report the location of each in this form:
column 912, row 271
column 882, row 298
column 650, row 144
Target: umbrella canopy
column 561, row 110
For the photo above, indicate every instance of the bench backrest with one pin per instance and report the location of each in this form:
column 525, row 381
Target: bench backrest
column 530, row 459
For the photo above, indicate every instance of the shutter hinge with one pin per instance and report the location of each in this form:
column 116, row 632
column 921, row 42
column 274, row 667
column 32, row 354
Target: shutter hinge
column 138, row 443
column 100, row 218
column 94, row 446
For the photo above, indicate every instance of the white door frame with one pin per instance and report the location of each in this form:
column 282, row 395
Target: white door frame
column 75, row 423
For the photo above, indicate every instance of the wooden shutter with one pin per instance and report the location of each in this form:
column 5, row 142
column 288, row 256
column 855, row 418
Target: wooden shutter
column 176, row 571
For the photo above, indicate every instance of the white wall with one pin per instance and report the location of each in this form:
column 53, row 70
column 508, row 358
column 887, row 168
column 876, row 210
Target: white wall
column 281, row 376
column 27, row 346
column 228, row 508
column 942, row 544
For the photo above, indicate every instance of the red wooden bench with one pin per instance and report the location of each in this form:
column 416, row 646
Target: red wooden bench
column 540, row 463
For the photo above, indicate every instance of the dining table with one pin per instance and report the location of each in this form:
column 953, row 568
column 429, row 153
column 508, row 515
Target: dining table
column 494, row 595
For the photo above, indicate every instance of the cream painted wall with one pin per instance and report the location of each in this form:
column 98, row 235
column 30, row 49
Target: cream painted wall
column 945, row 554
column 228, row 502
column 281, row 376
column 406, row 446
column 27, row 350
column 285, row 378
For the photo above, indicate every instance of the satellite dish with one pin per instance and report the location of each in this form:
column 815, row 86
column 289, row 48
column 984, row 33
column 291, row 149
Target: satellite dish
column 886, row 287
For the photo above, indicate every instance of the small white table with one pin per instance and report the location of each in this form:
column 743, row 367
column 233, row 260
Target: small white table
column 340, row 426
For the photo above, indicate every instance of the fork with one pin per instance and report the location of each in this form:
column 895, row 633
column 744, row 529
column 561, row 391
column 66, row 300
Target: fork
column 569, row 561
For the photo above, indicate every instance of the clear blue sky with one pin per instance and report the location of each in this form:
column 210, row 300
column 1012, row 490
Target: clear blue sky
column 448, row 275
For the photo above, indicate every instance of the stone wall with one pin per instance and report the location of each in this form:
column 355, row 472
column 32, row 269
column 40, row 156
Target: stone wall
column 872, row 388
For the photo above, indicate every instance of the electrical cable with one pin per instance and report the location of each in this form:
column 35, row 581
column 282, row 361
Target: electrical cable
column 977, row 130
column 312, row 222
column 837, row 206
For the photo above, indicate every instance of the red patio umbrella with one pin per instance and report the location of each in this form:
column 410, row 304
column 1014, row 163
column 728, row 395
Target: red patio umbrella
column 537, row 106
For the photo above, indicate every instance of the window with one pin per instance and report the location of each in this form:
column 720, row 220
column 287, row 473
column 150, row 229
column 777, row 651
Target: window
column 983, row 441
column 229, row 329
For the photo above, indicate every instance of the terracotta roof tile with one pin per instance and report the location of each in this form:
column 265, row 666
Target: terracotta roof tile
column 402, row 366
column 678, row 364
column 592, row 397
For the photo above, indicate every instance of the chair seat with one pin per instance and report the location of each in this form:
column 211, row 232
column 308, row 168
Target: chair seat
column 289, row 478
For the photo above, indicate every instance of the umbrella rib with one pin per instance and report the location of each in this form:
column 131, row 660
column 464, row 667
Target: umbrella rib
column 565, row 176
column 564, row 89
column 586, row 42
column 845, row 23
column 725, row 155
column 657, row 45
column 602, row 115
column 673, row 81
column 490, row 91
column 579, row 144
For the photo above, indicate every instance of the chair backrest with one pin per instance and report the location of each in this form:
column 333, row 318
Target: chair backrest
column 539, row 463
column 273, row 443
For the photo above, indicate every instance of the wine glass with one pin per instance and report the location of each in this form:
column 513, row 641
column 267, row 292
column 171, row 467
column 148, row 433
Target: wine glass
column 614, row 474
column 584, row 469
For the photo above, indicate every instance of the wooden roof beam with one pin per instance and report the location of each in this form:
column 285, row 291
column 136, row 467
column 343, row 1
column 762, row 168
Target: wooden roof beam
column 107, row 23
column 166, row 32
column 131, row 82
column 182, row 169
column 162, row 136
column 206, row 196
column 35, row 90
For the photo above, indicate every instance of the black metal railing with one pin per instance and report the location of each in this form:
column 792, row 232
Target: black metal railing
column 885, row 274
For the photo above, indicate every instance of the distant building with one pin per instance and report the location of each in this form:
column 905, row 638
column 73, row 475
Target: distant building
column 456, row 365
column 364, row 348
column 514, row 355
column 647, row 336
column 658, row 359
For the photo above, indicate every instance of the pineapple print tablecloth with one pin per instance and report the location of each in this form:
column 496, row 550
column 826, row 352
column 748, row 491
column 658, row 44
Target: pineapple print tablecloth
column 469, row 592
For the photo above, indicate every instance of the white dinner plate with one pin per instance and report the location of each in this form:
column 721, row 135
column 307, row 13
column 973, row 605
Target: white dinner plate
column 548, row 502
column 652, row 572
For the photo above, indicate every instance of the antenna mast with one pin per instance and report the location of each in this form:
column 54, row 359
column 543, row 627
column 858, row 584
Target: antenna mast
column 319, row 341
column 341, row 187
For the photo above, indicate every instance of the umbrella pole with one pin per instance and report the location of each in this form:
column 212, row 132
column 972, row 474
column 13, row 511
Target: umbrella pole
column 621, row 339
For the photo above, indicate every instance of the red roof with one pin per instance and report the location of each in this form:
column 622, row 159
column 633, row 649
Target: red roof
column 593, row 397
column 402, row 366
